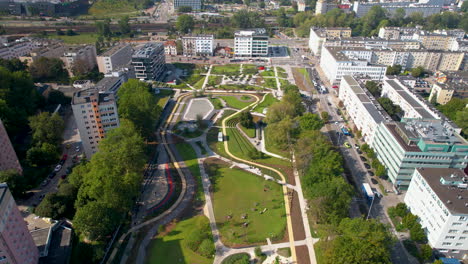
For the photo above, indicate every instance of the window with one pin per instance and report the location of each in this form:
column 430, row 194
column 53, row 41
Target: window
column 462, row 218
column 456, row 224
column 458, row 244
column 446, row 244
column 449, row 237
column 453, row 231
column 462, row 238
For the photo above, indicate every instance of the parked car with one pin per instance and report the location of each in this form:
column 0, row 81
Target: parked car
column 367, row 166
column 41, row 197
column 77, row 149
column 52, row 175
column 45, row 182
column 63, row 176
column 356, row 146
column 347, row 145
column 58, row 168
column 374, row 181
column 64, row 157
column 363, row 158
column 370, row 173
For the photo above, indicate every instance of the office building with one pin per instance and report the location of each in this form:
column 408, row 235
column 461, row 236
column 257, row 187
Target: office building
column 8, row 158
column 16, row 243
column 361, row 107
column 418, row 143
column 335, row 63
column 439, row 197
column 251, row 43
column 199, row 45
column 196, row 5
column 149, row 62
column 82, row 57
column 115, row 58
column 319, row 35
column 95, row 114
column 170, row 48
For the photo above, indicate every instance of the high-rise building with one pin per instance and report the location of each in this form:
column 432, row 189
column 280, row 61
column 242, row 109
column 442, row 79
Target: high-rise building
column 149, row 61
column 439, row 198
column 198, row 45
column 8, row 158
column 114, row 58
column 251, row 43
column 95, row 114
column 194, row 4
column 16, row 243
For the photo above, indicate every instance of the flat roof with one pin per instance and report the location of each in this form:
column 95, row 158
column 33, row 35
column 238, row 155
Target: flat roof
column 146, row 50
column 392, row 127
column 410, row 99
column 454, row 198
column 41, row 239
column 3, row 190
column 113, row 50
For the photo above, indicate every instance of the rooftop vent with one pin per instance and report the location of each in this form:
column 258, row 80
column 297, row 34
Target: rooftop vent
column 449, row 202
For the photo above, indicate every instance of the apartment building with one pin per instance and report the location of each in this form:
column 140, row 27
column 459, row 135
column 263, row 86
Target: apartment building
column 170, row 48
column 8, row 158
column 301, row 6
column 114, row 58
column 449, row 85
column 16, row 49
column 323, row 6
column 418, row 143
column 318, row 36
column 194, row 4
column 439, row 198
column 95, row 114
column 361, row 107
column 251, row 43
column 16, row 243
column 199, row 45
column 426, row 8
column 149, row 62
column 85, row 55
column 434, row 41
column 337, row 62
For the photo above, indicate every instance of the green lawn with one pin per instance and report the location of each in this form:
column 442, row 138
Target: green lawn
column 250, row 132
column 249, row 69
column 305, row 74
column 172, row 248
column 216, row 103
column 234, row 102
column 284, row 82
column 269, row 100
column 199, row 84
column 239, row 87
column 190, row 159
column 238, row 193
column 164, row 96
column 229, row 69
column 82, row 38
column 267, row 73
column 215, row 80
column 282, row 75
column 279, row 69
column 270, row 83
column 272, row 147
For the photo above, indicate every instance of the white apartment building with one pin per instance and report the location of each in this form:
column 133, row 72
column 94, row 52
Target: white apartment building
column 170, row 48
column 83, row 54
column 199, row 45
column 318, row 36
column 336, row 64
column 439, row 197
column 426, row 7
column 116, row 57
column 95, row 114
column 251, row 43
column 361, row 107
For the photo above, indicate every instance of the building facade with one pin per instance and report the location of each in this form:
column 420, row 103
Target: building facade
column 251, row 43
column 199, row 45
column 361, row 107
column 439, row 198
column 84, row 55
column 170, row 48
column 8, row 158
column 149, row 62
column 16, row 243
column 318, row 36
column 194, row 4
column 426, row 8
column 114, row 58
column 95, row 114
column 414, row 143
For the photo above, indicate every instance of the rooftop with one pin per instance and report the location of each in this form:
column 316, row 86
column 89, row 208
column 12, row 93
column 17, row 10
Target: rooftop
column 3, row 191
column 91, row 95
column 107, row 83
column 147, row 50
column 251, row 32
column 433, row 131
column 450, row 186
column 113, row 50
column 41, row 238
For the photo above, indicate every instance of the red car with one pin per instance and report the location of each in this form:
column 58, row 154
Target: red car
column 64, row 157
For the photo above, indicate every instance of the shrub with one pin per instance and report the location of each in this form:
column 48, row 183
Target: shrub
column 206, row 248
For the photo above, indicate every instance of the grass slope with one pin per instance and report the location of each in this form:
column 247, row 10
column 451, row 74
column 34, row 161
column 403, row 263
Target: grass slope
column 190, row 159
column 269, row 100
column 234, row 102
column 229, row 69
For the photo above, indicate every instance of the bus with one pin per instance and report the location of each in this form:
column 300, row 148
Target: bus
column 367, row 191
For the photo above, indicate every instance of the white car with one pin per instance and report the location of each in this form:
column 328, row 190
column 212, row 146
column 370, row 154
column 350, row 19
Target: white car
column 58, row 168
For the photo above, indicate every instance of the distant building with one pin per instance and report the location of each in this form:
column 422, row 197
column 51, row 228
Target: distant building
column 95, row 114
column 251, row 43
column 115, row 58
column 170, row 48
column 426, row 7
column 449, row 85
column 194, row 4
column 318, row 36
column 112, row 81
column 149, row 61
column 16, row 49
column 323, row 6
column 8, row 158
column 199, row 45
column 16, row 243
column 439, row 198
column 85, row 55
column 301, row 6
column 43, row 7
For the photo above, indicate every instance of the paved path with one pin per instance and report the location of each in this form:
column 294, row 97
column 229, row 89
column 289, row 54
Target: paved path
column 264, row 150
column 207, row 77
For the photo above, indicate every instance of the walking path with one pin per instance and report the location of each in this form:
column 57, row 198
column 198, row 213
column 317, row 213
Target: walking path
column 264, row 150
column 278, row 84
column 207, row 77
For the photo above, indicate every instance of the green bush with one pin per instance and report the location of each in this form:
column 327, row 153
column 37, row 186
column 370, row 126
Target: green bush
column 241, row 258
column 206, row 248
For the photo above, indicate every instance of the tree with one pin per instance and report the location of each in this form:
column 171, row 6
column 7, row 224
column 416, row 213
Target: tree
column 44, row 154
column 246, row 119
column 103, row 28
column 124, row 25
column 398, row 16
column 418, row 71
column 14, row 180
column 464, row 7
column 325, row 116
column 70, row 32
column 245, row 19
column 47, row 128
column 206, row 248
column 137, row 104
column 262, row 4
column 417, row 233
column 95, row 220
column 48, row 69
column 393, row 110
column 185, row 23
column 438, row 261
column 454, row 106
column 80, row 67
column 310, row 121
column 426, row 252
column 57, row 97
column 282, row 133
column 184, row 9
column 14, row 64
column 394, row 70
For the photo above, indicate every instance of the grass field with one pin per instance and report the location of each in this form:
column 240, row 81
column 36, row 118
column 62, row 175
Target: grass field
column 239, row 87
column 279, row 69
column 250, row 132
column 282, row 75
column 215, row 80
column 284, row 83
column 190, row 159
column 305, row 75
column 237, row 194
column 171, row 248
column 199, row 84
column 229, row 69
column 269, row 100
column 271, row 147
column 164, row 96
column 249, row 69
column 234, row 102
column 216, row 103
column 270, row 83
column 267, row 73
column 82, row 38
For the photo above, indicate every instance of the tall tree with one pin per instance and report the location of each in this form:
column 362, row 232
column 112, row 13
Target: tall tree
column 14, row 180
column 185, row 23
column 47, row 128
column 137, row 104
column 48, row 69
column 124, row 25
